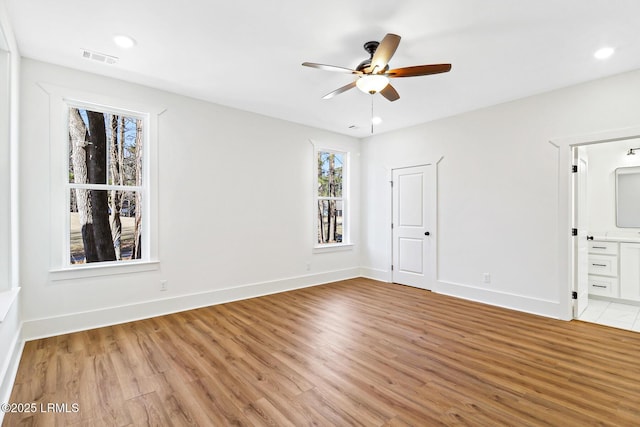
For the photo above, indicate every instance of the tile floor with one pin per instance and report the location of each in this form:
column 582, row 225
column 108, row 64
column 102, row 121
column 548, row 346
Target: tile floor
column 613, row 314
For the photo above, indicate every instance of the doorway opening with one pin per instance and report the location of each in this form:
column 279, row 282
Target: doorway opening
column 606, row 250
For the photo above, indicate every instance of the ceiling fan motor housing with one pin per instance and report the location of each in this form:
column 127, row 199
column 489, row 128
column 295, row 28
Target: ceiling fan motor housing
column 370, row 47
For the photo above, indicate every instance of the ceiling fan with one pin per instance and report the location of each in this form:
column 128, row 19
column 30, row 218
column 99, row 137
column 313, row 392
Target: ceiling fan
column 374, row 73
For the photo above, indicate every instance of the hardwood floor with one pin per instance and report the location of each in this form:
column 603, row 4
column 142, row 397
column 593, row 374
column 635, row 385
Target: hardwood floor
column 356, row 352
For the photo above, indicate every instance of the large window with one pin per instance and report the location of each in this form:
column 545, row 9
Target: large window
column 106, row 185
column 103, row 183
column 331, row 197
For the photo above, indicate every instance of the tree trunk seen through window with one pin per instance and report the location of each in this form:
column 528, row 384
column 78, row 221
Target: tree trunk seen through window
column 137, row 234
column 97, row 174
column 115, row 165
column 79, row 138
column 331, row 218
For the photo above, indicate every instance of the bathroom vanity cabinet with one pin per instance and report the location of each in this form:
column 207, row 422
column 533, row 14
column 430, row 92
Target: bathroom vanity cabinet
column 614, row 269
column 630, row 271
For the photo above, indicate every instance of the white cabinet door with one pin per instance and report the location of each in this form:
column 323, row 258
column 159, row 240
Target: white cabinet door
column 630, row 271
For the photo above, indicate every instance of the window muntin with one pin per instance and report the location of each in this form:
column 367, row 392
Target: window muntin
column 331, row 197
column 105, row 216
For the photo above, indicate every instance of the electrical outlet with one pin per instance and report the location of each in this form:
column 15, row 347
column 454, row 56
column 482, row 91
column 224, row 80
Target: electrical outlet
column 486, row 278
column 308, row 266
column 163, row 285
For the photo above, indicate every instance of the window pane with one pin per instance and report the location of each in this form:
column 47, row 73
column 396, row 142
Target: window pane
column 330, row 221
column 330, row 167
column 104, row 225
column 128, row 169
column 104, row 148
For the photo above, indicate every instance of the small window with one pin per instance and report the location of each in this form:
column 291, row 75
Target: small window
column 331, row 197
column 106, row 186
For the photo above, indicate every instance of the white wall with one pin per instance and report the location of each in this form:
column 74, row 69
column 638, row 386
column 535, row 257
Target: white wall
column 5, row 170
column 10, row 329
column 497, row 190
column 604, row 159
column 235, row 220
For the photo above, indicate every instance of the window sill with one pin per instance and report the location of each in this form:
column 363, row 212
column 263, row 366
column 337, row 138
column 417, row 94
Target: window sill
column 104, row 269
column 7, row 298
column 333, row 247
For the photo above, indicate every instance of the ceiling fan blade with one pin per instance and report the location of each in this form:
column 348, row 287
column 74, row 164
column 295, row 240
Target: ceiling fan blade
column 390, row 93
column 419, row 70
column 331, row 68
column 384, row 52
column 340, row 90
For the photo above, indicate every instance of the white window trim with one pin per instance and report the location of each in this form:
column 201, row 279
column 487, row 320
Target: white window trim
column 60, row 99
column 346, row 243
column 7, row 298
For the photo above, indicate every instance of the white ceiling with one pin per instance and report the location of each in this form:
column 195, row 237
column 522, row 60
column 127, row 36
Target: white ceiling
column 248, row 54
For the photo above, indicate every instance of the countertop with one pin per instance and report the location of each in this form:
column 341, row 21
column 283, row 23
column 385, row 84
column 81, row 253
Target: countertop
column 616, row 236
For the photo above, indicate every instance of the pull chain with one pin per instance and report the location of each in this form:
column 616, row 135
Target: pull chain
column 371, row 114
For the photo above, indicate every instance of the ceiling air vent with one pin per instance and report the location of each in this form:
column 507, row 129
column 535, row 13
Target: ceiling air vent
column 100, row 57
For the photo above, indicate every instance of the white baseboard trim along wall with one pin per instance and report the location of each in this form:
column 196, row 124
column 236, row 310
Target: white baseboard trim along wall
column 51, row 326
column 376, row 274
column 12, row 338
column 511, row 301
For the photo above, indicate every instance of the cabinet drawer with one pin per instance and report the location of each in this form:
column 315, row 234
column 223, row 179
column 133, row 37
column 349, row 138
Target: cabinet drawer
column 604, row 265
column 608, row 248
column 605, row 286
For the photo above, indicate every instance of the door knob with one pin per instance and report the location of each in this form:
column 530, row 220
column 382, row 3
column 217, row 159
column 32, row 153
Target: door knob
column 426, row 233
column 589, row 237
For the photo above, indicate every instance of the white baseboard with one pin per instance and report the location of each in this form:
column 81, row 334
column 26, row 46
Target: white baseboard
column 74, row 322
column 526, row 304
column 10, row 368
column 376, row 274
column 501, row 299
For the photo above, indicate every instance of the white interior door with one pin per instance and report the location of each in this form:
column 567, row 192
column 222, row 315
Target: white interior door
column 413, row 223
column 580, row 221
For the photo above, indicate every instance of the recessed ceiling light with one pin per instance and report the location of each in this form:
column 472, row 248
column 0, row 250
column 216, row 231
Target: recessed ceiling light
column 123, row 41
column 604, row 53
column 376, row 120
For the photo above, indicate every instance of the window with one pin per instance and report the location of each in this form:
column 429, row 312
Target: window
column 103, row 184
column 331, row 198
column 105, row 187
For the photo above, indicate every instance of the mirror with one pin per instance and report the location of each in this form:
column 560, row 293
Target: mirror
column 628, row 197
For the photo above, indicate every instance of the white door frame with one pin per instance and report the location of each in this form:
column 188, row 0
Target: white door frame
column 580, row 258
column 565, row 203
column 433, row 261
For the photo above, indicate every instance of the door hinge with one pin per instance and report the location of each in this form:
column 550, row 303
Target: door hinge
column 391, row 182
column 574, row 168
column 574, row 295
column 392, row 226
column 574, row 231
column 391, row 267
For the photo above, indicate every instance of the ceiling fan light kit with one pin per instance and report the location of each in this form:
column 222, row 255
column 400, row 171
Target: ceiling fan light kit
column 372, row 83
column 373, row 74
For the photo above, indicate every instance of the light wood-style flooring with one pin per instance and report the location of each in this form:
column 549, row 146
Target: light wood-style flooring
column 356, row 352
